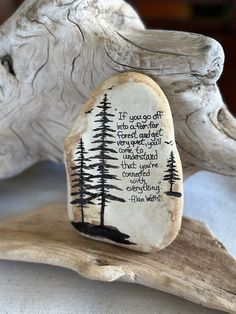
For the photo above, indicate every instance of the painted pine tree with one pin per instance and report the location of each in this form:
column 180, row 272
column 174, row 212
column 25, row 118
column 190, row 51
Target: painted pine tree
column 103, row 139
column 105, row 155
column 172, row 175
column 81, row 180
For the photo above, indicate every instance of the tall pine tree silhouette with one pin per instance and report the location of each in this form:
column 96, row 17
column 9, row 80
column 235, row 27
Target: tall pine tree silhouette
column 104, row 156
column 104, row 140
column 82, row 180
column 172, row 175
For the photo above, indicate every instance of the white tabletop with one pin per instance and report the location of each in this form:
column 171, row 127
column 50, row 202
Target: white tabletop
column 34, row 289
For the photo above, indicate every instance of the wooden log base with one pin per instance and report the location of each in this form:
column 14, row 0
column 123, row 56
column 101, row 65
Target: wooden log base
column 195, row 266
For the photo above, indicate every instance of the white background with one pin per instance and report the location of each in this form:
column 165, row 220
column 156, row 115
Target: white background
column 34, row 288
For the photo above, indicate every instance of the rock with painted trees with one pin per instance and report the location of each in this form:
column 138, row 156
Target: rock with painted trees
column 125, row 181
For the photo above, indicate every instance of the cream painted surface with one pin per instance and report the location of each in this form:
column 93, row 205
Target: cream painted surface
column 135, row 104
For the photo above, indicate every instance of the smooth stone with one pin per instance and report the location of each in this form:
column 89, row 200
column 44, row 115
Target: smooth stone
column 125, row 182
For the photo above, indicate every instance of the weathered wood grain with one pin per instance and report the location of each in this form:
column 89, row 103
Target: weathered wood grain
column 53, row 54
column 195, row 266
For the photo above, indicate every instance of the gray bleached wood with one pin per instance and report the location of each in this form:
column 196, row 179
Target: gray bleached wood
column 54, row 54
column 195, row 266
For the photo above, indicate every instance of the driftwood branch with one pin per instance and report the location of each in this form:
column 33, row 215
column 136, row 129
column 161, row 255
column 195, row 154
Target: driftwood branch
column 195, row 266
column 53, row 54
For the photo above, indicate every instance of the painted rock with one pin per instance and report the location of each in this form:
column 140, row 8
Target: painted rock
column 124, row 172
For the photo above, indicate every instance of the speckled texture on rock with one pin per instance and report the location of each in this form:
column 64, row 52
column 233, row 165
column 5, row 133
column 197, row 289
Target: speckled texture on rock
column 124, row 171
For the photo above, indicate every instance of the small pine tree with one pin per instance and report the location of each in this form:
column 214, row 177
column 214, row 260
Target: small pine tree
column 172, row 174
column 104, row 139
column 82, row 180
